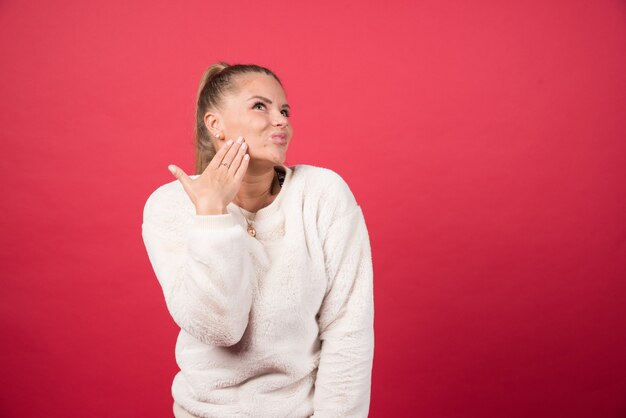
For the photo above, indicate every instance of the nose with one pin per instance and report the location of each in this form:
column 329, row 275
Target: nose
column 280, row 119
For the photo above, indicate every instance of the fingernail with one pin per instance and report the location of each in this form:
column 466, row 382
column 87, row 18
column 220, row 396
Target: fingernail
column 171, row 168
column 239, row 140
column 229, row 142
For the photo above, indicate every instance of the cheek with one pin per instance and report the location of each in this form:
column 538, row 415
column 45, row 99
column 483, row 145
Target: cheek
column 246, row 127
column 259, row 120
column 244, row 119
column 257, row 128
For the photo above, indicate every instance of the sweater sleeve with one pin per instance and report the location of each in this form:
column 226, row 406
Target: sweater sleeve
column 342, row 387
column 202, row 266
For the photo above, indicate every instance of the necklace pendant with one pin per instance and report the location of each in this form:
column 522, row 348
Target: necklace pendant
column 251, row 231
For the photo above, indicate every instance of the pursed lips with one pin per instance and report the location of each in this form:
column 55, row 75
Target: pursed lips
column 280, row 139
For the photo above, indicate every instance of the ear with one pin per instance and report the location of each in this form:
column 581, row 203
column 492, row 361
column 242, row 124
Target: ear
column 213, row 123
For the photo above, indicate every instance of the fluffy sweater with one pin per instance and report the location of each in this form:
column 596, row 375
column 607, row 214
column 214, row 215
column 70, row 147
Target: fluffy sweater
column 279, row 325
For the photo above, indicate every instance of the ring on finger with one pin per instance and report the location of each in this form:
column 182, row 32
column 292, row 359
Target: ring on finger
column 226, row 164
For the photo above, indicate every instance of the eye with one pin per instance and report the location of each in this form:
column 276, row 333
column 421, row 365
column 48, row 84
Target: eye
column 285, row 112
column 258, row 104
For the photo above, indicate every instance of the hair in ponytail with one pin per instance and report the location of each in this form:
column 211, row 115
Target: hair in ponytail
column 217, row 80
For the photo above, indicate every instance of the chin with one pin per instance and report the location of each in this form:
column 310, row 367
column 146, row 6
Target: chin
column 276, row 159
column 281, row 159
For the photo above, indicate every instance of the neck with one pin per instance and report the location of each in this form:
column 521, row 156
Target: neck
column 257, row 188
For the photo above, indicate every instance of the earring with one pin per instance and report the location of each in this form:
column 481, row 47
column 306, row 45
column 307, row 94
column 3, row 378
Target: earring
column 217, row 135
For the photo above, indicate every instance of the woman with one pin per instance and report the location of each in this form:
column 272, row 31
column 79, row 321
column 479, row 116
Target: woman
column 265, row 267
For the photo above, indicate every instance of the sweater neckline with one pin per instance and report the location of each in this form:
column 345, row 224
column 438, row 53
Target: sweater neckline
column 268, row 210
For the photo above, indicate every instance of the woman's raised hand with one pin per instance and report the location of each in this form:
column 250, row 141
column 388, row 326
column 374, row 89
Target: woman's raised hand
column 219, row 183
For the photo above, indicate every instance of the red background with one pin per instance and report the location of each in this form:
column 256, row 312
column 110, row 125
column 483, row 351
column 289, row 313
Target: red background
column 485, row 141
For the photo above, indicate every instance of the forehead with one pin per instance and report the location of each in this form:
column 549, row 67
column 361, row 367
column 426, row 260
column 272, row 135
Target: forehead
column 260, row 84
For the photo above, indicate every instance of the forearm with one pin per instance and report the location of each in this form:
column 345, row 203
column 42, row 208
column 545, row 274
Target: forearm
column 206, row 279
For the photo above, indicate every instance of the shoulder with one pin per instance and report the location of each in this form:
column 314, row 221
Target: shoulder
column 314, row 172
column 326, row 188
column 322, row 179
column 167, row 198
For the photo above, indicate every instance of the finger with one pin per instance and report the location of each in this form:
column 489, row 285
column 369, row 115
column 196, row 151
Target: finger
column 232, row 152
column 238, row 157
column 219, row 155
column 180, row 175
column 241, row 171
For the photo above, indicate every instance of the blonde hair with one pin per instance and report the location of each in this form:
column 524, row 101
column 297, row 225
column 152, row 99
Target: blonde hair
column 217, row 80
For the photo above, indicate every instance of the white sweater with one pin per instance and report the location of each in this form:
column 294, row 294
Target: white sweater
column 280, row 325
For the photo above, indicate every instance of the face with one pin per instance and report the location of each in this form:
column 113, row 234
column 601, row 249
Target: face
column 258, row 111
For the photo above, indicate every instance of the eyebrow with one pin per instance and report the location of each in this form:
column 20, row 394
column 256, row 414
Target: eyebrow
column 265, row 99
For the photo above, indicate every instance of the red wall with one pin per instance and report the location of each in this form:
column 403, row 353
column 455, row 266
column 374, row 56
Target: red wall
column 485, row 141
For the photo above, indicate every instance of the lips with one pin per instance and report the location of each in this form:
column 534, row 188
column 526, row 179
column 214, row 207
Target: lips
column 280, row 139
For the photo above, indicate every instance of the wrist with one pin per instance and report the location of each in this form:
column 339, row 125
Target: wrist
column 211, row 210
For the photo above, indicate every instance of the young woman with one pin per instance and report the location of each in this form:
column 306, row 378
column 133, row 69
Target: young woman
column 266, row 268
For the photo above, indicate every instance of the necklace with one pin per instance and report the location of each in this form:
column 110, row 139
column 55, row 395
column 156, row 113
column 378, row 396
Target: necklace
column 250, row 227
